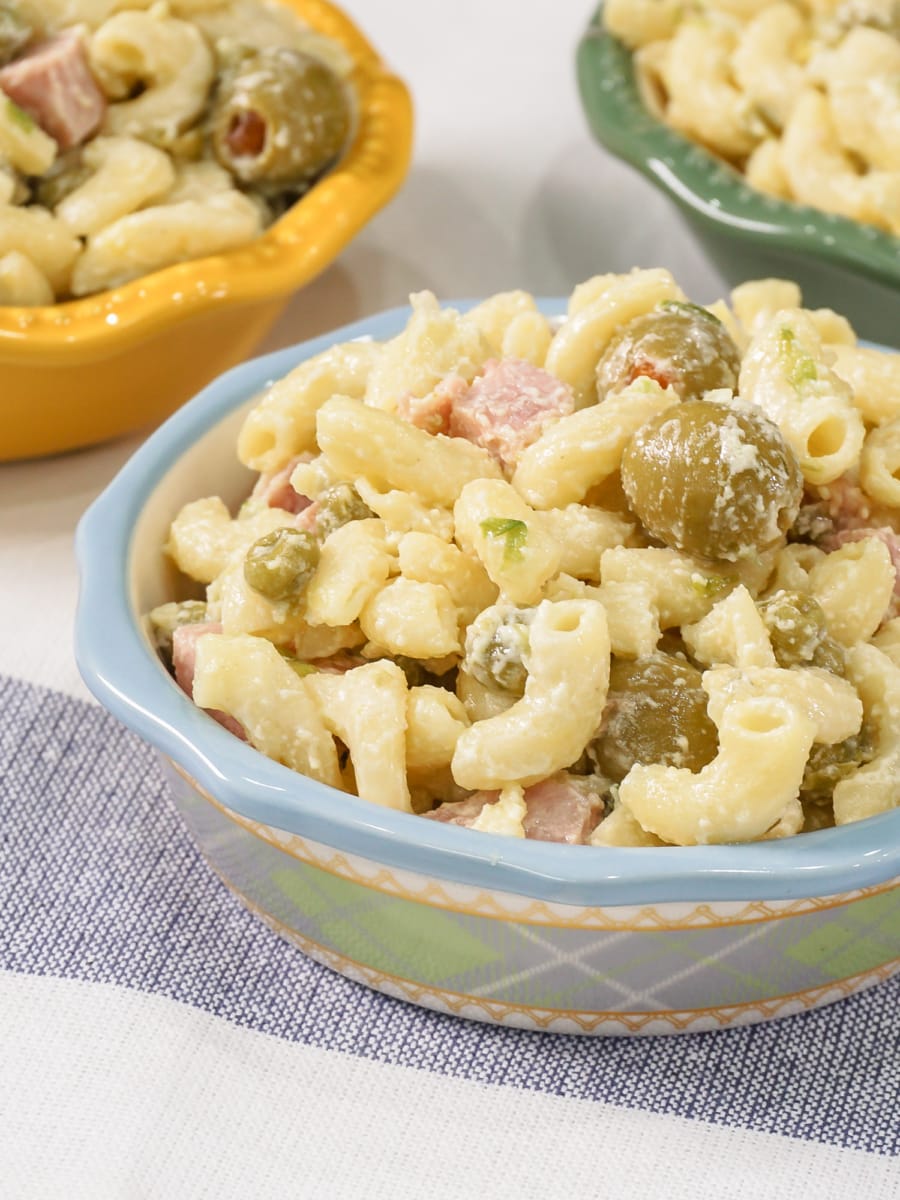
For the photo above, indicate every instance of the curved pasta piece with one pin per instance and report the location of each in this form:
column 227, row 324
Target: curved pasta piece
column 703, row 100
column 168, row 57
column 23, row 144
column 765, row 60
column 361, row 441
column 583, row 449
column 875, row 379
column 282, row 423
column 873, row 788
column 637, row 22
column 366, row 709
column 47, row 243
column 247, row 678
column 732, row 632
column 748, row 788
column 161, row 236
column 855, row 586
column 496, row 526
column 863, row 84
column 879, row 464
column 127, row 174
column 21, row 283
column 568, row 678
column 829, row 701
column 435, row 718
column 785, row 372
column 354, row 564
column 413, row 619
column 822, row 174
column 435, row 343
column 578, row 343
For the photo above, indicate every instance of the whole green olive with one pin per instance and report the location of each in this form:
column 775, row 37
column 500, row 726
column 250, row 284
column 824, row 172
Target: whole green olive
column 280, row 564
column 679, row 345
column 280, row 118
column 338, row 505
column 712, row 480
column 828, row 765
column 799, row 633
column 166, row 618
column 497, row 645
column 67, row 173
column 655, row 713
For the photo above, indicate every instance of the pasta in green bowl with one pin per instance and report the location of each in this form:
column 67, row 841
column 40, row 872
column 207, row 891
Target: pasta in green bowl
column 770, row 127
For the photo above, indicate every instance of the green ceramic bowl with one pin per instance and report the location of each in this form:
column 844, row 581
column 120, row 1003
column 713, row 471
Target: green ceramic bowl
column 838, row 263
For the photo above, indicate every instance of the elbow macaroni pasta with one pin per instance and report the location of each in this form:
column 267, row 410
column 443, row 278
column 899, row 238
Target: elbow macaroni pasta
column 444, row 625
column 799, row 98
column 119, row 153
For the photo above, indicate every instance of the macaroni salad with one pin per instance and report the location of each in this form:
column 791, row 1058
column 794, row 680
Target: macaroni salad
column 135, row 135
column 627, row 578
column 802, row 97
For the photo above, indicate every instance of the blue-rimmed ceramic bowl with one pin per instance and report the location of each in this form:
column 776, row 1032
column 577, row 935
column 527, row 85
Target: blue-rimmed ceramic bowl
column 838, row 263
column 570, row 939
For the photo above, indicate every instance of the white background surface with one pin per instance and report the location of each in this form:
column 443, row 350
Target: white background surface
column 507, row 189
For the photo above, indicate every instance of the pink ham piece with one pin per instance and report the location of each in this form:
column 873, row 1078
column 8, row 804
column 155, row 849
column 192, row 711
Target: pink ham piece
column 184, row 657
column 508, row 407
column 275, row 488
column 53, row 83
column 432, row 412
column 564, row 808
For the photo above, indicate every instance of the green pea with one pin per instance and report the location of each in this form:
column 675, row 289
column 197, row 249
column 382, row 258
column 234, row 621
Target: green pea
column 281, row 117
column 712, row 480
column 338, row 505
column 281, row 564
column 497, row 646
column 799, row 633
column 655, row 713
column 679, row 345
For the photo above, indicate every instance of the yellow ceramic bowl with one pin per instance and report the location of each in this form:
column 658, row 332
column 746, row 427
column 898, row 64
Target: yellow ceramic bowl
column 84, row 371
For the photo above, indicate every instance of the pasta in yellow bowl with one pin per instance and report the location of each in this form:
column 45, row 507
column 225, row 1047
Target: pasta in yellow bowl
column 168, row 176
column 628, row 578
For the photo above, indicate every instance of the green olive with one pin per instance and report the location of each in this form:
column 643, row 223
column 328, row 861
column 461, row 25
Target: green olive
column 166, row 618
column 15, row 32
column 828, row 765
column 655, row 713
column 280, row 118
column 69, row 172
column 497, row 645
column 677, row 344
column 282, row 563
column 799, row 633
column 712, row 480
column 338, row 505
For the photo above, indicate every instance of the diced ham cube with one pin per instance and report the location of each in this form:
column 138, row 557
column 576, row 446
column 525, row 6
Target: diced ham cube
column 53, row 83
column 274, row 487
column 564, row 808
column 508, row 407
column 432, row 412
column 184, row 657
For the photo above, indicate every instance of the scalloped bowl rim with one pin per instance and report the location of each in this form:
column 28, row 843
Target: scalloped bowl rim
column 267, row 267
column 122, row 671
column 624, row 124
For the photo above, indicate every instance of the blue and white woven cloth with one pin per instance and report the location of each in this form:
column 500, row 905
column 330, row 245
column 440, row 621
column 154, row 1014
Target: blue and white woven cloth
column 157, row 1040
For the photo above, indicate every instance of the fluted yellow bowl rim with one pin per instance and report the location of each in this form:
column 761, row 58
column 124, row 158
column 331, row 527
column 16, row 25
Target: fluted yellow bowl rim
column 290, row 253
